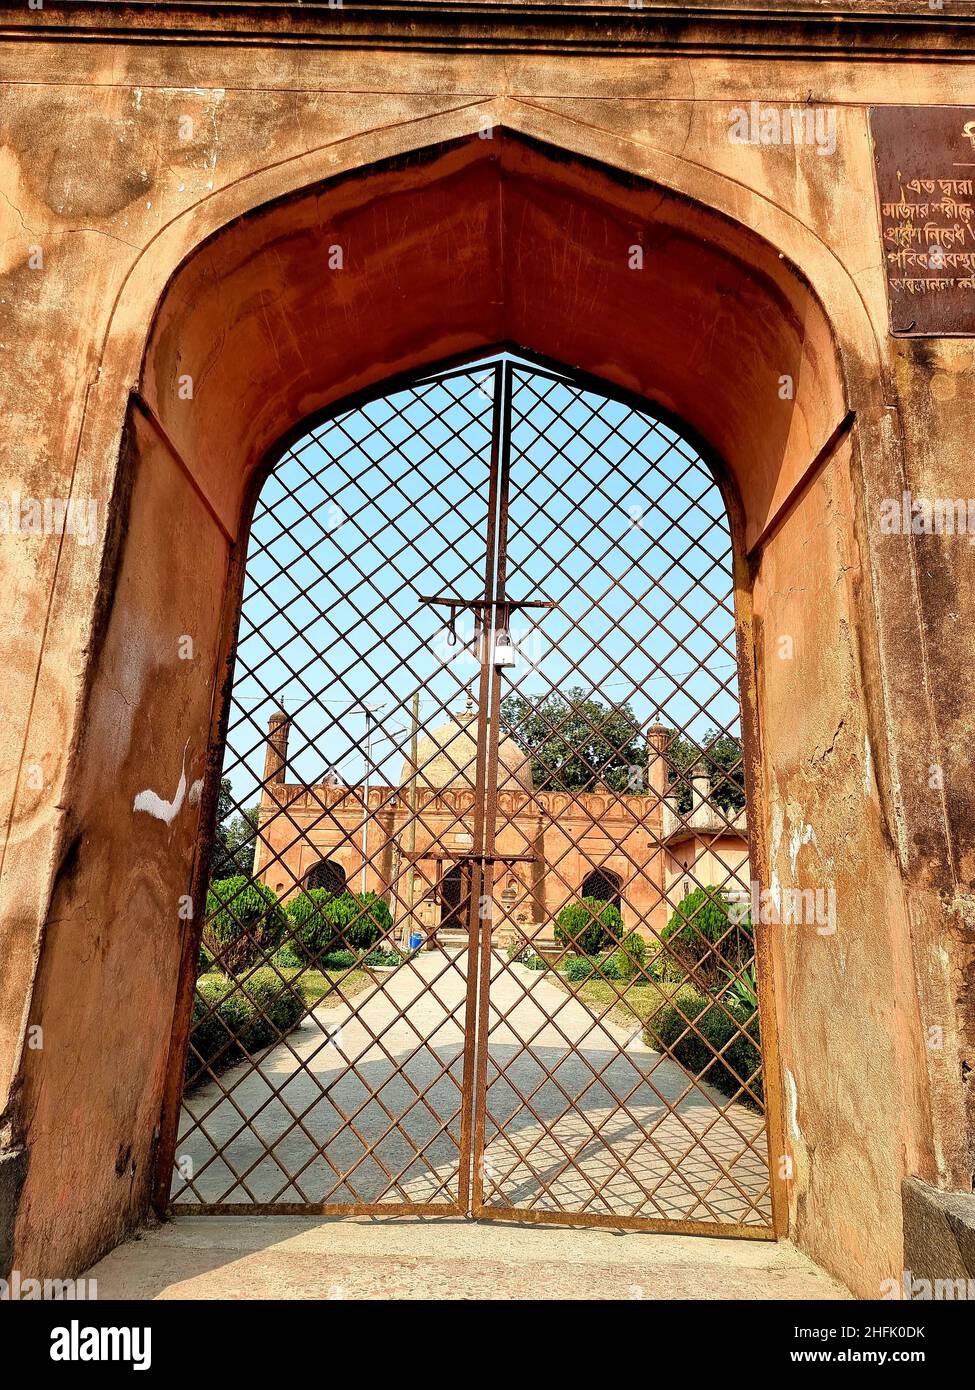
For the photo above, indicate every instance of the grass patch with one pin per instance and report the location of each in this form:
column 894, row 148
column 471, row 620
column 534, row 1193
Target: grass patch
column 624, row 1002
column 317, row 985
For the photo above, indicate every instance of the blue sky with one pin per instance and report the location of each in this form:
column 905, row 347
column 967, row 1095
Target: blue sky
column 388, row 503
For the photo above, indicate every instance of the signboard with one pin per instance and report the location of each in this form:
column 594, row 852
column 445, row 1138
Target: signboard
column 924, row 158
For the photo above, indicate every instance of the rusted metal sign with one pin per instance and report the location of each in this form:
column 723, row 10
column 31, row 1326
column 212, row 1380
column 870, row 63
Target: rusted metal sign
column 925, row 169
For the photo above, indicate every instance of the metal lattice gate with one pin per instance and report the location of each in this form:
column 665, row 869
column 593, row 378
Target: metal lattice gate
column 477, row 936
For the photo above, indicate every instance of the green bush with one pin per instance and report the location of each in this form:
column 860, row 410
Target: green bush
column 631, row 956
column 312, row 925
column 577, row 968
column 244, row 923
column 234, row 1018
column 325, row 925
column 697, row 1054
column 588, row 925
column 383, row 957
column 205, row 960
column 339, row 960
column 609, row 968
column 664, row 966
column 703, row 938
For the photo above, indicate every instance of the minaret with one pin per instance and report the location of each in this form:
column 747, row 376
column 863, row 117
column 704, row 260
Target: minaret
column 700, row 786
column 276, row 757
column 658, row 772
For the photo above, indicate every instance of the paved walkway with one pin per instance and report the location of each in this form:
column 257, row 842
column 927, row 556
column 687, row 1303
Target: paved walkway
column 221, row 1257
column 578, row 1111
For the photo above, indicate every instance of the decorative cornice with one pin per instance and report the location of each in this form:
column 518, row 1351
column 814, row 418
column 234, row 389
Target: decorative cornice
column 865, row 29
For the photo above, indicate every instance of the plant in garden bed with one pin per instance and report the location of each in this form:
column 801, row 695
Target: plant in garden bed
column 715, row 1024
column 586, row 927
column 324, row 924
column 577, row 968
column 521, row 953
column 233, row 1018
column 244, row 923
column 743, row 989
column 703, row 937
column 383, row 960
column 631, row 957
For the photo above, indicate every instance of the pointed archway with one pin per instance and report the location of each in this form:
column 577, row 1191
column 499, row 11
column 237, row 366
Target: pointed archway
column 302, row 303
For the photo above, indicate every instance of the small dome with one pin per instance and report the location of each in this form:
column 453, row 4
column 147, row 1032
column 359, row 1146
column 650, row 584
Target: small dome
column 447, row 757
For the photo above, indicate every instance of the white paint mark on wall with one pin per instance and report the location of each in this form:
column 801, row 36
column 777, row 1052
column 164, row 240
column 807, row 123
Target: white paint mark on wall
column 153, row 804
column 805, row 835
column 792, row 1104
column 867, row 766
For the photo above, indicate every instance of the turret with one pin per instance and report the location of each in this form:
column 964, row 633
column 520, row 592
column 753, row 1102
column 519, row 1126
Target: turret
column 700, row 786
column 276, row 756
column 658, row 771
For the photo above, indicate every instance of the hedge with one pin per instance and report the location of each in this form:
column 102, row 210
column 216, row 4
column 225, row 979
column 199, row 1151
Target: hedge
column 228, row 1020
column 734, row 1068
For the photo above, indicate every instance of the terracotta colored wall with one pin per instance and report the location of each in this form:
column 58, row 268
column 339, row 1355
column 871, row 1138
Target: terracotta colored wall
column 491, row 240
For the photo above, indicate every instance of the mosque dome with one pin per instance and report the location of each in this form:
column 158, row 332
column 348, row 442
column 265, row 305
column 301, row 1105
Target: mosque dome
column 447, row 757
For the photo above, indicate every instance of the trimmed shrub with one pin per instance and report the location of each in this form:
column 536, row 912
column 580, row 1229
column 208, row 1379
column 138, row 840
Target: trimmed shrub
column 229, row 1020
column 244, row 923
column 368, row 921
column 325, row 925
column 631, row 956
column 577, row 968
column 588, row 925
column 205, row 960
column 727, row 1073
column 311, row 924
column 699, row 923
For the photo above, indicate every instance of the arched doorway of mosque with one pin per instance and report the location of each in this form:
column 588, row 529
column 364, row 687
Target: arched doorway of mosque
column 487, row 947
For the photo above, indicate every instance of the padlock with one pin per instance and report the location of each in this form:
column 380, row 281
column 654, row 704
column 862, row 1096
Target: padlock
column 504, row 651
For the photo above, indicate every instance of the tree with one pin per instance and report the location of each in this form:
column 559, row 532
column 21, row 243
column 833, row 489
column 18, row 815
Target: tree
column 244, row 923
column 575, row 743
column 721, row 754
column 585, row 927
column 703, row 937
column 235, row 837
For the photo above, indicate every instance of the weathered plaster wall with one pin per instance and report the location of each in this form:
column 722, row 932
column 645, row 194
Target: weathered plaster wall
column 94, row 173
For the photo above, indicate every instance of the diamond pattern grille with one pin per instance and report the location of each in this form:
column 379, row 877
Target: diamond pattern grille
column 401, row 1008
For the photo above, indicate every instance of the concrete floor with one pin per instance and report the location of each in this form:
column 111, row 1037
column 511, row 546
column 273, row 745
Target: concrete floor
column 280, row 1257
column 609, row 1126
column 675, row 1146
